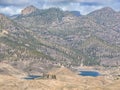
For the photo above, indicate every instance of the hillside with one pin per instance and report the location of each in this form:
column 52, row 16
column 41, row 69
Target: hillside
column 17, row 46
column 40, row 39
column 67, row 33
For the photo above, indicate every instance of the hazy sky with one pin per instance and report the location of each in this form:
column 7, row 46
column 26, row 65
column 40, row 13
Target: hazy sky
column 11, row 7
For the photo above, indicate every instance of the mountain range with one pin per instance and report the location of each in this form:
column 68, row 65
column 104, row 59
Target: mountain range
column 38, row 39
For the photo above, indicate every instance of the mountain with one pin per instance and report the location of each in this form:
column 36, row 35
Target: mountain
column 109, row 19
column 106, row 17
column 103, row 11
column 76, row 13
column 39, row 21
column 39, row 39
column 18, row 46
column 90, row 39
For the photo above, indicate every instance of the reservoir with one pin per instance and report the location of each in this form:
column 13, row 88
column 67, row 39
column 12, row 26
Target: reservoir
column 32, row 77
column 89, row 73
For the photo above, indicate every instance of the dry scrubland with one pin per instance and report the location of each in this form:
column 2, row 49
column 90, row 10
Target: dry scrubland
column 66, row 80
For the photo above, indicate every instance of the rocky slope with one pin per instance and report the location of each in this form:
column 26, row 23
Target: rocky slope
column 91, row 39
column 17, row 47
column 37, row 39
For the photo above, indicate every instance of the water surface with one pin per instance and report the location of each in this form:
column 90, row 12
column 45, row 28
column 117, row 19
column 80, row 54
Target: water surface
column 31, row 77
column 89, row 73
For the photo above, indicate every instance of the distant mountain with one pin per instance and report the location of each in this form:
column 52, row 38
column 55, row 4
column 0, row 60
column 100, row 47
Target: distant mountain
column 105, row 11
column 76, row 13
column 109, row 19
column 104, row 15
column 51, row 37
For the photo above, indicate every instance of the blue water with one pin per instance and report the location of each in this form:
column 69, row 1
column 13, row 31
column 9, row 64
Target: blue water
column 31, row 77
column 89, row 73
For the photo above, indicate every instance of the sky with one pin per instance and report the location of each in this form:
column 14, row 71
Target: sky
column 12, row 7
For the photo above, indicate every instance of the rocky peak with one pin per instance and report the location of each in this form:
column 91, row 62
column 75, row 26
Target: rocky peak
column 28, row 10
column 103, row 11
column 108, row 9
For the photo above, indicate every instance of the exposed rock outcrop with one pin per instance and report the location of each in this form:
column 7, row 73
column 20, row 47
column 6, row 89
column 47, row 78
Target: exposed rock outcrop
column 28, row 10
